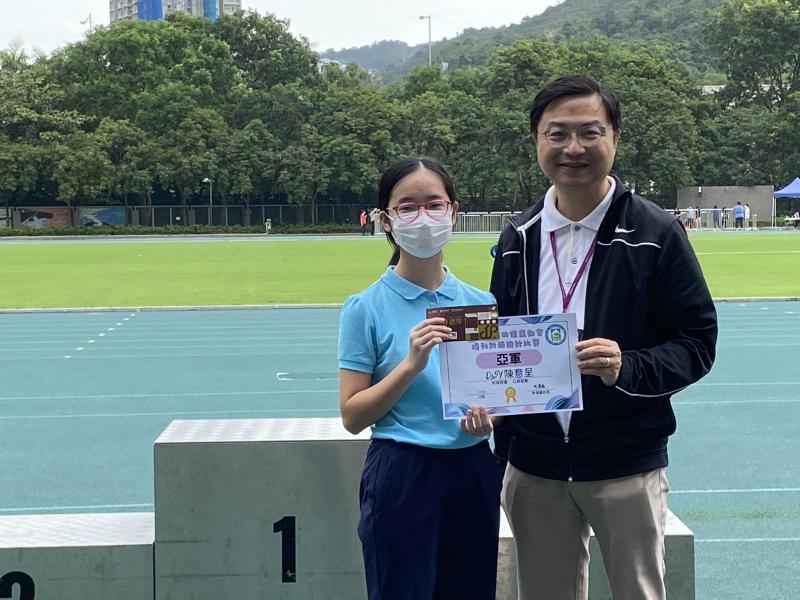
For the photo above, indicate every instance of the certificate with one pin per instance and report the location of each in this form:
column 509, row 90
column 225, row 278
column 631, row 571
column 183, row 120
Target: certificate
column 529, row 366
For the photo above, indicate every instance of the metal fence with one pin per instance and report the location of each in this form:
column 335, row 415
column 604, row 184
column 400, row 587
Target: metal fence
column 46, row 217
column 482, row 222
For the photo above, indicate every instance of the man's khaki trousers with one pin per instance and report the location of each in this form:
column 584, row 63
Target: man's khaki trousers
column 551, row 519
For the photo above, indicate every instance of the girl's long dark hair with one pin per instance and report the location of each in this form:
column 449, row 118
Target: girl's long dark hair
column 398, row 170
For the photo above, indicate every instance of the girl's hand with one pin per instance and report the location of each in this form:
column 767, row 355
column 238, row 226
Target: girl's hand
column 422, row 339
column 477, row 422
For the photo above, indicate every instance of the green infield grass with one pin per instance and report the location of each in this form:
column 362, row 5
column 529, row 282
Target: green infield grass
column 95, row 273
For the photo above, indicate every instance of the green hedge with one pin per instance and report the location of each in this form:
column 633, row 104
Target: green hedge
column 181, row 230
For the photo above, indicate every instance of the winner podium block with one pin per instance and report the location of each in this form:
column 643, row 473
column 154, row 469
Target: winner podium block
column 77, row 557
column 268, row 508
column 262, row 508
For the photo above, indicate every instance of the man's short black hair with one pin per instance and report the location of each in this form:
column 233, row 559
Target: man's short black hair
column 574, row 85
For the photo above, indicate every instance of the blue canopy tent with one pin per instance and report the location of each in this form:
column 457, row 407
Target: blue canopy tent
column 790, row 191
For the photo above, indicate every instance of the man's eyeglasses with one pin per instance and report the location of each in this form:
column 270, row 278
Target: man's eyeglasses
column 436, row 209
column 588, row 137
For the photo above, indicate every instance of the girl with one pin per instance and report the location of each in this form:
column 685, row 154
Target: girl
column 430, row 488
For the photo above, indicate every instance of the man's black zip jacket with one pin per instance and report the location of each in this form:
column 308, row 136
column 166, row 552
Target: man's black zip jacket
column 645, row 290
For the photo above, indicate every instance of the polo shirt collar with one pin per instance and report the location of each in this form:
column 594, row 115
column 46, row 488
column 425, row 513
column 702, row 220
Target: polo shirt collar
column 552, row 220
column 411, row 291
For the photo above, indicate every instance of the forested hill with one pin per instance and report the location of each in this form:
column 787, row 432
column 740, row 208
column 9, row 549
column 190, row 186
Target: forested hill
column 676, row 23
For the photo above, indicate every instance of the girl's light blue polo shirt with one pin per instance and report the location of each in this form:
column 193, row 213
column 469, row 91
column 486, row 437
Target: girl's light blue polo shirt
column 374, row 327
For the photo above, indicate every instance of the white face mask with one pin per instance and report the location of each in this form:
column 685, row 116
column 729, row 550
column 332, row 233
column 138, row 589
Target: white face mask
column 423, row 238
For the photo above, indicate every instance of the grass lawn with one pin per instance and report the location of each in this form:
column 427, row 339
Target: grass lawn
column 291, row 270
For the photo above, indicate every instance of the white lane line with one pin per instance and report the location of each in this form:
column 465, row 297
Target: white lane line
column 733, row 402
column 110, row 329
column 747, row 253
column 194, row 413
column 67, row 356
column 101, row 335
column 743, row 383
column 80, row 349
column 284, row 377
column 176, row 395
column 747, row 540
column 738, row 491
column 91, row 342
column 81, row 507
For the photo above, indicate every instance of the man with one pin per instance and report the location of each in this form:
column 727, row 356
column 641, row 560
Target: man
column 649, row 329
column 375, row 219
column 738, row 216
column 690, row 217
column 715, row 216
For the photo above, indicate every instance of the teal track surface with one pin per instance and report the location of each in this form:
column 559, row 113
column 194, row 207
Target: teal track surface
column 85, row 394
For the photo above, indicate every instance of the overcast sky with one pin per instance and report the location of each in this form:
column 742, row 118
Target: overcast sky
column 48, row 24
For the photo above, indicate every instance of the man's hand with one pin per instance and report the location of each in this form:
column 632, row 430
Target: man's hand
column 600, row 357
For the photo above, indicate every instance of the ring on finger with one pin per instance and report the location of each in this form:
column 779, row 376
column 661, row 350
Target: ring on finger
column 608, row 361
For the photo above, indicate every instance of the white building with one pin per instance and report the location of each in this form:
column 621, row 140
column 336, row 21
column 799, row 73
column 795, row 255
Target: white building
column 122, row 9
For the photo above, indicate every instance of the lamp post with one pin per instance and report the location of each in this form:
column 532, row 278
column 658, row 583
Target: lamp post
column 422, row 17
column 89, row 21
column 210, row 197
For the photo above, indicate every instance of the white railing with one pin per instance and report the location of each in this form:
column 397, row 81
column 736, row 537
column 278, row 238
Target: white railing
column 482, row 222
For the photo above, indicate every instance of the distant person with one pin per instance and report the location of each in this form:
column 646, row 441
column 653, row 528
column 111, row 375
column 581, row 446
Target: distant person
column 375, row 218
column 690, row 217
column 747, row 216
column 725, row 211
column 363, row 218
column 430, row 488
column 715, row 217
column 738, row 216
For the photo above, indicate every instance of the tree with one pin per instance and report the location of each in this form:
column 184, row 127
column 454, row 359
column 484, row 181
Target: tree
column 106, row 75
column 130, row 155
column 82, row 170
column 13, row 59
column 756, row 45
column 264, row 50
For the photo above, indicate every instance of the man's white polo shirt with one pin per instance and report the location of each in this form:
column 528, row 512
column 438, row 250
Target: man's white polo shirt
column 573, row 239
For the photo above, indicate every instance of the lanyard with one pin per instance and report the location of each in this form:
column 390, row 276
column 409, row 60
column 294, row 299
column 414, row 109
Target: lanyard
column 566, row 296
